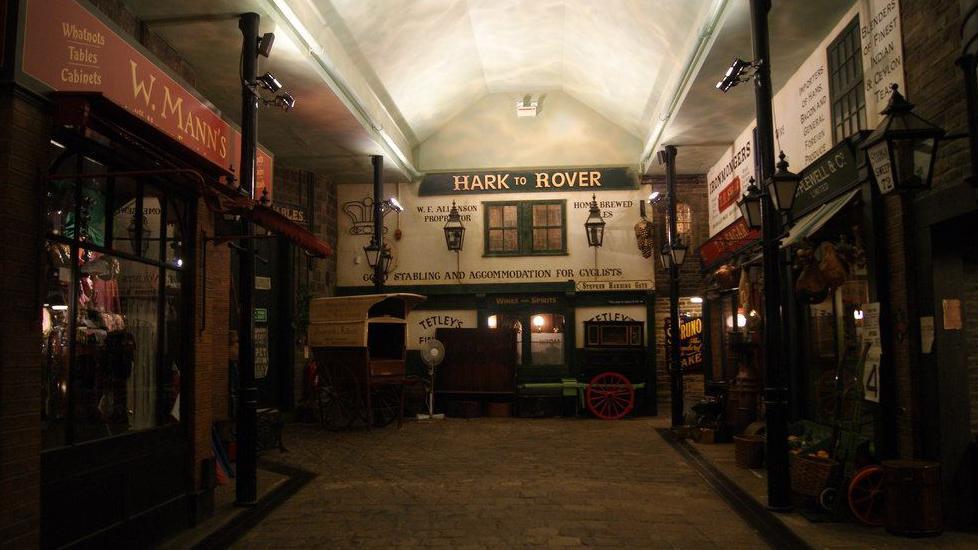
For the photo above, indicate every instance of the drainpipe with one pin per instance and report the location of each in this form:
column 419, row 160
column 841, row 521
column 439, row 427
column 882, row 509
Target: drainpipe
column 246, row 481
column 675, row 342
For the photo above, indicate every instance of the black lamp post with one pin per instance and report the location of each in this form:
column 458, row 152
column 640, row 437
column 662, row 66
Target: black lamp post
column 759, row 212
column 902, row 148
column 454, row 230
column 594, row 226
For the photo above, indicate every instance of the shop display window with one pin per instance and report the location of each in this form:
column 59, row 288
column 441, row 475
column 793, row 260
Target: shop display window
column 113, row 310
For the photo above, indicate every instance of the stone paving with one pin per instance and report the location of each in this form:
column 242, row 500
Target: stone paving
column 497, row 483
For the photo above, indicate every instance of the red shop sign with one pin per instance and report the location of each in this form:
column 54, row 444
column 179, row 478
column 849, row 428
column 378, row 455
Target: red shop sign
column 727, row 242
column 69, row 49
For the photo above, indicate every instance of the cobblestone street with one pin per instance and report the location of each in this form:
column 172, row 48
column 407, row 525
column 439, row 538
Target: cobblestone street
column 497, row 483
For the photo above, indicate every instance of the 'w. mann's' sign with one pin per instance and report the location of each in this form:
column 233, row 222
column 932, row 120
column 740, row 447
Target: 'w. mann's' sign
column 527, row 181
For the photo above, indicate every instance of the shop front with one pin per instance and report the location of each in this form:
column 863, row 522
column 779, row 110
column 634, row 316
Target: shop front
column 134, row 184
column 525, row 268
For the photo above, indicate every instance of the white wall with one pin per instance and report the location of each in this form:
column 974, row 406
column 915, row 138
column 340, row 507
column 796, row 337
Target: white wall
column 421, row 256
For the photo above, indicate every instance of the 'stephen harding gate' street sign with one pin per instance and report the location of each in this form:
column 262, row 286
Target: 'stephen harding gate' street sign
column 527, row 181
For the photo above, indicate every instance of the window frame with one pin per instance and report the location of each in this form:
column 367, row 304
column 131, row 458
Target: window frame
column 524, row 226
column 847, row 102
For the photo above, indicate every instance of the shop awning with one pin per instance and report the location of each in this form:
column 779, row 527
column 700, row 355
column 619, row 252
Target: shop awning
column 813, row 221
column 269, row 219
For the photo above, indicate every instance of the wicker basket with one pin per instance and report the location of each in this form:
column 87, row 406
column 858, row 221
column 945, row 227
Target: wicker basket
column 749, row 451
column 809, row 475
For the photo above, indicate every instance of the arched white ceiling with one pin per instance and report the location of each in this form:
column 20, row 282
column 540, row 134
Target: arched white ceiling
column 434, row 58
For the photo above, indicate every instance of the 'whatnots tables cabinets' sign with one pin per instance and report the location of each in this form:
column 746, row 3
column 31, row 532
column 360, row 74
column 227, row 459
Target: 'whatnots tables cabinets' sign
column 68, row 49
column 691, row 343
column 832, row 173
column 527, row 181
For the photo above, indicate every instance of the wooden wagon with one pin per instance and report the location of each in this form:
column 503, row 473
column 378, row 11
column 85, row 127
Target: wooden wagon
column 359, row 344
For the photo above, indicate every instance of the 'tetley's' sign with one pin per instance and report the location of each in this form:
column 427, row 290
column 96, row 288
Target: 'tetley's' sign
column 69, row 49
column 527, row 181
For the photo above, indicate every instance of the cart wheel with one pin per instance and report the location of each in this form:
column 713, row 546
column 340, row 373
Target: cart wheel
column 386, row 403
column 826, row 499
column 610, row 396
column 866, row 496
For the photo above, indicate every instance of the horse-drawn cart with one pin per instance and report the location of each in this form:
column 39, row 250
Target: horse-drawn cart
column 359, row 344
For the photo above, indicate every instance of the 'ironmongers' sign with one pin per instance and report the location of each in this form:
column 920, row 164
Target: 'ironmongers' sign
column 832, row 173
column 527, row 181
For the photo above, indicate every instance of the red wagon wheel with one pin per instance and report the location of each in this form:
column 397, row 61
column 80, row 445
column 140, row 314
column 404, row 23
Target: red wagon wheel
column 866, row 496
column 610, row 396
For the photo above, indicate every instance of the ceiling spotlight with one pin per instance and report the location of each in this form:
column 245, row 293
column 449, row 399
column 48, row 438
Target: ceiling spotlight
column 269, row 82
column 394, row 205
column 265, row 44
column 739, row 71
column 285, row 101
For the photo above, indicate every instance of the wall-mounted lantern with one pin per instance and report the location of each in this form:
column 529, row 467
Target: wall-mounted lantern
column 902, row 148
column 594, row 226
column 454, row 230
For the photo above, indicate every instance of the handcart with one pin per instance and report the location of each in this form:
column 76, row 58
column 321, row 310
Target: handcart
column 847, row 481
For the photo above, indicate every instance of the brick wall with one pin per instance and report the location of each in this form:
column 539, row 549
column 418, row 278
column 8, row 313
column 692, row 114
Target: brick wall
column 317, row 195
column 691, row 190
column 121, row 16
column 935, row 84
column 213, row 342
column 21, row 162
column 931, row 44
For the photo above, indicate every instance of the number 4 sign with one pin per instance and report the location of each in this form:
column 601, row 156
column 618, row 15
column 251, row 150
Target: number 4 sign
column 871, row 375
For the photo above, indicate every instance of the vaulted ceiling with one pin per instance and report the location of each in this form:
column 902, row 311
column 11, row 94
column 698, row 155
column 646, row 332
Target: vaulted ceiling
column 433, row 58
column 384, row 76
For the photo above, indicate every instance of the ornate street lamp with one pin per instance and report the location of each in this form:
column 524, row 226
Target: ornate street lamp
column 594, row 226
column 375, row 253
column 750, row 205
column 902, row 148
column 665, row 255
column 783, row 186
column 677, row 253
column 454, row 230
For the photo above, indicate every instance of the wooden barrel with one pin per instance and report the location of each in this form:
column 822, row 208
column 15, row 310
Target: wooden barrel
column 913, row 497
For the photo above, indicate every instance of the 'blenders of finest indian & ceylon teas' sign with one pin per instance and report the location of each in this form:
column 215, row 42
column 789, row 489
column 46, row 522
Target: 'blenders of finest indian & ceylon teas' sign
column 527, row 181
column 68, row 49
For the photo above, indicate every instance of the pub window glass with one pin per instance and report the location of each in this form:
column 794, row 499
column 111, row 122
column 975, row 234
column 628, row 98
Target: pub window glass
column 684, row 224
column 547, row 339
column 103, row 321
